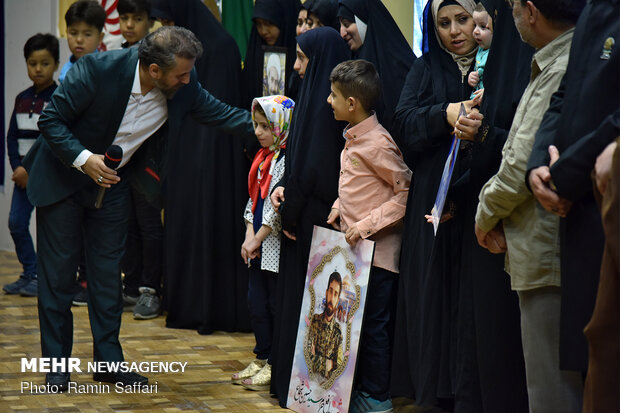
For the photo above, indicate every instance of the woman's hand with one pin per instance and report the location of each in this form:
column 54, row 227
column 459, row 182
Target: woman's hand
column 466, row 128
column 453, row 109
column 277, row 197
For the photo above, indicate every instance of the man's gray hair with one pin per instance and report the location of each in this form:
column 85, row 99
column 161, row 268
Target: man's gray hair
column 165, row 44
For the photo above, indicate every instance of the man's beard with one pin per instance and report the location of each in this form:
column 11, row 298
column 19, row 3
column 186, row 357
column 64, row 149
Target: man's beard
column 168, row 92
column 329, row 310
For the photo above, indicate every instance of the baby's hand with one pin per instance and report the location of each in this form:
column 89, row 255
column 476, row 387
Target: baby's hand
column 473, row 79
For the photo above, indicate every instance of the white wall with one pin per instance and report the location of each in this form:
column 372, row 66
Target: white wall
column 22, row 19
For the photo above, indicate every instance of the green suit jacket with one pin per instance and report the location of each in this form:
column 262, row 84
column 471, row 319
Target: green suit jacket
column 86, row 111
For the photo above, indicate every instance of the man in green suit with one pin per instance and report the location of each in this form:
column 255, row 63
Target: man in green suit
column 120, row 97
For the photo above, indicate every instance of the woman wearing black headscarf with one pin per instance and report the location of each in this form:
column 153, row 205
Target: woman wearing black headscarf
column 276, row 20
column 323, row 13
column 311, row 182
column 490, row 311
column 423, row 124
column 451, row 347
column 206, row 279
column 372, row 34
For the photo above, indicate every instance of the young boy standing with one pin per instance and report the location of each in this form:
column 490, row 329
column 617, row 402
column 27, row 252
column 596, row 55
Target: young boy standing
column 483, row 34
column 142, row 262
column 41, row 53
column 372, row 198
column 85, row 20
column 134, row 20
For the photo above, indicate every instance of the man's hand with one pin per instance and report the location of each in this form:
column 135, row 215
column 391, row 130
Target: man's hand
column 277, row 197
column 539, row 180
column 496, row 240
column 473, row 79
column 95, row 168
column 352, row 235
column 493, row 240
column 334, row 218
column 602, row 168
column 20, row 177
column 480, row 236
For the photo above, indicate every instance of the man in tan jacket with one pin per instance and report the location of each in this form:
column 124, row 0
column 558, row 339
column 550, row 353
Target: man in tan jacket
column 531, row 233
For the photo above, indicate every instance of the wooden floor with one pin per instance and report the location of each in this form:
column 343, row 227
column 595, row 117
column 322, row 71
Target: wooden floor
column 203, row 387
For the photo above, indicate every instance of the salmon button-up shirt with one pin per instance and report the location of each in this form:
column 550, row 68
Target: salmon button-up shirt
column 373, row 188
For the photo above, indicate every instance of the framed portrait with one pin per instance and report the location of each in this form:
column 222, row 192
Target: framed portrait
column 274, row 70
column 330, row 323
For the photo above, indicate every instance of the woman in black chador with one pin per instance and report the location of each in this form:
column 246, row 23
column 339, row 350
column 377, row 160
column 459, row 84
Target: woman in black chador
column 449, row 345
column 489, row 309
column 423, row 125
column 274, row 23
column 205, row 192
column 311, row 187
column 372, row 34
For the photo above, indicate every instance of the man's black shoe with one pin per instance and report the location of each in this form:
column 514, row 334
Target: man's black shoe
column 128, row 378
column 57, row 382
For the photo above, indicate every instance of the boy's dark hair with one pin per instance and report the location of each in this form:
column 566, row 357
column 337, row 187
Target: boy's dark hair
column 134, row 6
column 560, row 12
column 87, row 11
column 478, row 9
column 165, row 44
column 335, row 276
column 41, row 41
column 358, row 79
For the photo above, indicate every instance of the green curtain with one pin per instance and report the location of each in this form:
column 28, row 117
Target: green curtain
column 237, row 19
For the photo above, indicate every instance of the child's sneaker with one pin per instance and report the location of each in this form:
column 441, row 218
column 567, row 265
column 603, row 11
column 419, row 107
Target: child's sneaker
column 81, row 298
column 260, row 381
column 361, row 402
column 31, row 289
column 254, row 367
column 148, row 305
column 15, row 287
column 129, row 302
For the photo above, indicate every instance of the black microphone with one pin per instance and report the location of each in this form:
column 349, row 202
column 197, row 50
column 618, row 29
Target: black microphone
column 112, row 159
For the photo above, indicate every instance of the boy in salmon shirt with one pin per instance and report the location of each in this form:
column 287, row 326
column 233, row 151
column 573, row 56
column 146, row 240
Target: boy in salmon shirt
column 372, row 198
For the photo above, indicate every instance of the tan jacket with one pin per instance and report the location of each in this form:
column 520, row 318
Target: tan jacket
column 532, row 234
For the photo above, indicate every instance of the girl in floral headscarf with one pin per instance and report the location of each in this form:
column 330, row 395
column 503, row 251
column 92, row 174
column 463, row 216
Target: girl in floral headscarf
column 261, row 249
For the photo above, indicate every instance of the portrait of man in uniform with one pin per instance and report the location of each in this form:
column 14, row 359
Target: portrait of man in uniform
column 324, row 335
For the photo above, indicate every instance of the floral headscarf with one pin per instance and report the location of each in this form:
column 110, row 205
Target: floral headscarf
column 278, row 111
